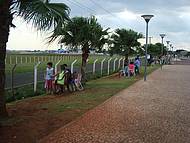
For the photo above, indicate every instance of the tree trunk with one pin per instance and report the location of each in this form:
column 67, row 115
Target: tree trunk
column 127, row 57
column 5, row 22
column 85, row 55
column 126, row 60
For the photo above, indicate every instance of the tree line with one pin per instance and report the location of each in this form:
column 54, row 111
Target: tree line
column 84, row 33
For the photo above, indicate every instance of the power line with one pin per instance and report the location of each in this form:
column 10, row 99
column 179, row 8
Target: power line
column 97, row 4
column 82, row 6
column 102, row 8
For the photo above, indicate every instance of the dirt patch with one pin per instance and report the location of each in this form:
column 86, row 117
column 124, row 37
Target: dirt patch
column 29, row 120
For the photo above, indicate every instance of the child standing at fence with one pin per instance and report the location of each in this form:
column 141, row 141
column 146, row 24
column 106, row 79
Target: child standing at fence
column 49, row 78
column 137, row 66
column 131, row 69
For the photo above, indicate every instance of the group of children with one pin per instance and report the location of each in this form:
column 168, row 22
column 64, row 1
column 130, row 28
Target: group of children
column 58, row 82
column 131, row 69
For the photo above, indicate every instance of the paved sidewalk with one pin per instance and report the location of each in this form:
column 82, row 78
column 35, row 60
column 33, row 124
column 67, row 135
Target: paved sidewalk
column 156, row 111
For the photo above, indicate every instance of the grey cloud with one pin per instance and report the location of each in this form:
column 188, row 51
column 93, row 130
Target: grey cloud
column 167, row 15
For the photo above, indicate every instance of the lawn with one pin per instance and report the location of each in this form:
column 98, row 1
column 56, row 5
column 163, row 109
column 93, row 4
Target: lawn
column 33, row 118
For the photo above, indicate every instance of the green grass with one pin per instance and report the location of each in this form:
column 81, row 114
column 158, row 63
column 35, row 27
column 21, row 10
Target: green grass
column 27, row 91
column 96, row 92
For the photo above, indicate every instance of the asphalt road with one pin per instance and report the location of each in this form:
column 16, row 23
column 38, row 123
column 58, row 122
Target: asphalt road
column 28, row 77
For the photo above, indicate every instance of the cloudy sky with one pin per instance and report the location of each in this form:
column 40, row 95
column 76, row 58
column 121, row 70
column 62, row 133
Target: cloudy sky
column 170, row 17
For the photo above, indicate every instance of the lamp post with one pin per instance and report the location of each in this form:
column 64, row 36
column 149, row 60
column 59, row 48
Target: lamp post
column 168, row 45
column 147, row 19
column 171, row 50
column 162, row 50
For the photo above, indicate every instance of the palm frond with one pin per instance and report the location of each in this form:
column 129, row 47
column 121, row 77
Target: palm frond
column 43, row 14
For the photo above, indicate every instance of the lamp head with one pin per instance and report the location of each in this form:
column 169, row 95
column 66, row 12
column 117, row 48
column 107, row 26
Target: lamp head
column 147, row 17
column 162, row 35
column 168, row 42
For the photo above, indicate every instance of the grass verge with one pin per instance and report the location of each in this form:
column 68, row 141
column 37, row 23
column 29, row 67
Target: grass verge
column 33, row 118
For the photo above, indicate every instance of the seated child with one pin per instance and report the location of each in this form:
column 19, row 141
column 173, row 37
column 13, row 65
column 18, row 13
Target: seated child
column 71, row 82
column 121, row 73
column 77, row 81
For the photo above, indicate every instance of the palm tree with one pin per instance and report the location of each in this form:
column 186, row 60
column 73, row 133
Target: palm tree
column 43, row 15
column 84, row 33
column 124, row 41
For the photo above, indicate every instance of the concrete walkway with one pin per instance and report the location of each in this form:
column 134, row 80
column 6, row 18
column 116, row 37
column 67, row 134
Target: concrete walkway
column 156, row 111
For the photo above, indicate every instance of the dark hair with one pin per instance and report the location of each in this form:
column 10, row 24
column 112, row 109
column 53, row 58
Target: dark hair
column 131, row 62
column 65, row 65
column 50, row 64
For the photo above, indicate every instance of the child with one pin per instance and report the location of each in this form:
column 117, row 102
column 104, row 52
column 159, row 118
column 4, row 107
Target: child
column 77, row 81
column 49, row 78
column 121, row 73
column 131, row 69
column 60, row 81
column 137, row 66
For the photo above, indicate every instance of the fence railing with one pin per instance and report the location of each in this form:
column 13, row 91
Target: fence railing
column 100, row 67
column 29, row 58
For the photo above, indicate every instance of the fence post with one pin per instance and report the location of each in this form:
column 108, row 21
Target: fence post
column 10, row 60
column 119, row 65
column 94, row 66
column 123, row 63
column 114, row 63
column 16, row 60
column 12, row 80
column 36, row 76
column 21, row 59
column 109, row 65
column 56, row 65
column 26, row 59
column 72, row 65
column 102, row 63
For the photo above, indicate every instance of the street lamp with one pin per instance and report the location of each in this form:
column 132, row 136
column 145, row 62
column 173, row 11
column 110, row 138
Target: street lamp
column 168, row 44
column 162, row 50
column 171, row 50
column 147, row 19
